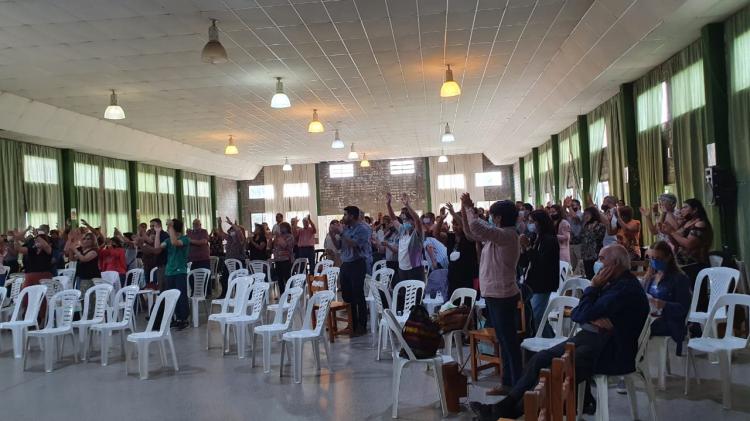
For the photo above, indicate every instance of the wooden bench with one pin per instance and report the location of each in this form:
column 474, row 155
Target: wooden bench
column 487, row 335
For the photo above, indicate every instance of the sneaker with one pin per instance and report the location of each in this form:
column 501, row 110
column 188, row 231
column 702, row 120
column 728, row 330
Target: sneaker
column 182, row 325
column 620, row 388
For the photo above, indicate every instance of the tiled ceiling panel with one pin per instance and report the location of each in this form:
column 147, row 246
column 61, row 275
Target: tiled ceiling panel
column 372, row 68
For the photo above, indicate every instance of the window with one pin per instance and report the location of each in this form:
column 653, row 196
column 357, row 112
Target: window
column 341, row 170
column 261, row 192
column 402, row 167
column 39, row 170
column 487, row 179
column 146, row 182
column 484, row 204
column 166, row 184
column 259, row 218
column 188, row 187
column 602, row 190
column 115, row 179
column 652, row 107
column 740, row 61
column 688, row 92
column 86, row 175
column 296, row 190
column 296, row 214
column 203, row 189
column 451, row 181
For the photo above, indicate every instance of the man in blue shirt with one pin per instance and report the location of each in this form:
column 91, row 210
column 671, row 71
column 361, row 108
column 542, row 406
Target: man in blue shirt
column 611, row 313
column 355, row 253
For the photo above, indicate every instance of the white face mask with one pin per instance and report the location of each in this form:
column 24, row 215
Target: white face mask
column 455, row 256
column 598, row 265
column 425, row 220
column 531, row 227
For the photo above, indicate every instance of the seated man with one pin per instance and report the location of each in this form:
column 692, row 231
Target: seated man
column 611, row 315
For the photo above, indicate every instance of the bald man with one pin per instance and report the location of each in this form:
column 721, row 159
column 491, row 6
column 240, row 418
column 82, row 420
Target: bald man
column 611, row 315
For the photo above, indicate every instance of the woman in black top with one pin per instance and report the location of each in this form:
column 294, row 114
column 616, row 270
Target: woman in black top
column 257, row 244
column 543, row 269
column 87, row 266
column 463, row 265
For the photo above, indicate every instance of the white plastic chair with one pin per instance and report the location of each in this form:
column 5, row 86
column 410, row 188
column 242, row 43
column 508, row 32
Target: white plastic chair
column 3, row 297
column 279, row 326
column 332, row 276
column 300, row 266
column 298, row 281
column 297, row 338
column 62, row 304
column 133, row 277
column 20, row 326
column 321, row 266
column 150, row 293
column 641, row 373
column 575, row 286
column 214, row 267
column 565, row 271
column 102, row 293
column 413, row 293
column 715, row 261
column 232, row 305
column 232, row 265
column 105, row 330
column 264, row 266
column 70, row 273
column 710, row 342
column 53, row 287
column 113, row 278
column 399, row 362
column 719, row 280
column 232, row 277
column 141, row 340
column 380, row 264
column 246, row 321
column 71, row 265
column 457, row 336
column 382, row 275
column 557, row 305
column 379, row 289
column 12, row 300
column 197, row 293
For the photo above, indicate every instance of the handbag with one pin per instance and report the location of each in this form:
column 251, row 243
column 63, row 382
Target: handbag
column 453, row 319
column 421, row 334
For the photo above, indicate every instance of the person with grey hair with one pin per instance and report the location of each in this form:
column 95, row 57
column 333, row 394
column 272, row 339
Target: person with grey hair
column 611, row 314
column 662, row 216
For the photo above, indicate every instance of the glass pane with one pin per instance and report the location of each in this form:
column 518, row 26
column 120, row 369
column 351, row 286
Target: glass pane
column 402, row 167
column 296, row 190
column 261, row 192
column 451, row 181
column 166, row 184
column 39, row 170
column 115, row 179
column 202, row 189
column 341, row 170
column 687, row 88
column 85, row 175
column 146, row 182
column 487, row 179
column 741, row 62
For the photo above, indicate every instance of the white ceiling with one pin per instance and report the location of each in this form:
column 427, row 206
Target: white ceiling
column 373, row 68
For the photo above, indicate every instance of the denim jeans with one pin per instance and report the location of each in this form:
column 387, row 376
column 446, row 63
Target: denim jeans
column 179, row 282
column 503, row 314
column 538, row 305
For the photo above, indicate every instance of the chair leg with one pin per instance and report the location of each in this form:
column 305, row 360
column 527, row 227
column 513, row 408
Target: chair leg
column 241, row 333
column 252, row 351
column 19, row 335
column 49, row 353
column 163, row 354
column 327, row 347
column 439, row 379
column 645, row 375
column 380, row 342
column 602, row 398
column 75, row 346
column 687, row 370
column 143, row 360
column 174, row 354
column 283, row 351
column 298, row 345
column 632, row 399
column 266, row 337
column 83, row 333
column 581, row 392
column 128, row 357
column 398, row 365
column 26, row 351
column 106, row 336
column 725, row 369
column 316, row 353
column 195, row 312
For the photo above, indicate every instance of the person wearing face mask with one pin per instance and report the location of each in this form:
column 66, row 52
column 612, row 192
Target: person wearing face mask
column 37, row 261
column 662, row 213
column 574, row 215
column 542, row 261
column 283, row 254
column 390, row 245
column 608, row 217
column 668, row 291
column 152, row 257
column 592, row 235
column 331, row 242
column 629, row 231
column 234, row 249
column 411, row 238
column 497, row 279
column 562, row 229
column 463, row 264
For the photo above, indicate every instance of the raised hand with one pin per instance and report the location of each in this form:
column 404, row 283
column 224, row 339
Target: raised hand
column 388, row 198
column 405, row 199
column 466, row 201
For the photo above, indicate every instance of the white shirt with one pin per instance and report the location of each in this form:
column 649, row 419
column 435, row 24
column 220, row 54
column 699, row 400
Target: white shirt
column 610, row 239
column 404, row 263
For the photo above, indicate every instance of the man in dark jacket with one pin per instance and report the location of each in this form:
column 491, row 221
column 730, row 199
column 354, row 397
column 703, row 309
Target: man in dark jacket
column 611, row 314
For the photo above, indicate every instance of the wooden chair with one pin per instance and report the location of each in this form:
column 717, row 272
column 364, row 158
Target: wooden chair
column 320, row 283
column 563, row 397
column 488, row 335
column 536, row 403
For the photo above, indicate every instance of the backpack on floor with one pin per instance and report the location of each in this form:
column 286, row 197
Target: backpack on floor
column 421, row 333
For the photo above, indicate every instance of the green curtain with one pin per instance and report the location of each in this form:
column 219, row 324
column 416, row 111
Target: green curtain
column 737, row 37
column 196, row 190
column 597, row 154
column 546, row 175
column 43, row 194
column 649, row 118
column 12, row 206
column 156, row 193
column 570, row 161
column 614, row 153
column 101, row 186
column 528, row 173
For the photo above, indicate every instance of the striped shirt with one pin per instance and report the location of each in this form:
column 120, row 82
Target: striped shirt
column 439, row 250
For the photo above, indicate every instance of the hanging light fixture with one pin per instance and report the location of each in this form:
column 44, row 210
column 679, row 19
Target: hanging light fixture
column 337, row 143
column 450, row 87
column 442, row 158
column 447, row 136
column 213, row 52
column 287, row 166
column 353, row 155
column 280, row 100
column 114, row 111
column 231, row 148
column 364, row 163
column 315, row 125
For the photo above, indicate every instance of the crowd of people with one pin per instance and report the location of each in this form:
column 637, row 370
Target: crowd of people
column 509, row 252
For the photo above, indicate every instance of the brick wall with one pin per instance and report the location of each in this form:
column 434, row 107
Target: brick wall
column 248, row 206
column 226, row 198
column 368, row 187
column 499, row 192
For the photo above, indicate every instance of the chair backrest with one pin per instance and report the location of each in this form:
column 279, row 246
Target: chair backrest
column 715, row 261
column 35, row 294
column 380, row 264
column 62, row 305
column 214, row 263
column 168, row 299
column 102, row 291
column 133, row 277
column 321, row 300
column 383, row 275
column 321, row 266
column 257, row 299
column 70, row 265
column 380, row 289
column 260, row 266
column 557, row 304
column 232, row 264
column 231, row 294
column 3, row 296
column 332, row 274
column 200, row 279
column 395, row 327
column 564, row 384
column 536, row 402
column 53, row 287
column 153, row 275
column 299, row 281
column 643, row 340
column 719, row 280
column 462, row 295
column 413, row 293
column 565, row 270
column 124, row 299
column 15, row 288
column 291, row 296
column 111, row 277
column 237, row 273
column 574, row 285
column 731, row 302
column 300, row 266
column 257, row 278
column 70, row 273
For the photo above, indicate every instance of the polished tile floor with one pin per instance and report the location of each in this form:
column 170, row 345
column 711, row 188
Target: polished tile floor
column 211, row 386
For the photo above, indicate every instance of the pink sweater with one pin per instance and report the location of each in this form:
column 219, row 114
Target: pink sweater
column 497, row 265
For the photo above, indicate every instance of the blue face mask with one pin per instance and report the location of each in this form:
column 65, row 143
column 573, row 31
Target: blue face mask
column 598, row 265
column 408, row 226
column 531, row 227
column 491, row 221
column 659, row 265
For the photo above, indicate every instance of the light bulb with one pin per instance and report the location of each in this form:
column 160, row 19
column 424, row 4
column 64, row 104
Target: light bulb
column 287, row 166
column 447, row 136
column 114, row 111
column 231, row 148
column 442, row 159
column 353, row 155
column 213, row 52
column 364, row 163
column 315, row 125
column 280, row 100
column 337, row 143
column 450, row 87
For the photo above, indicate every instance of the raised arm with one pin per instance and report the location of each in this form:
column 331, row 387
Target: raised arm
column 388, row 200
column 480, row 229
column 412, row 213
